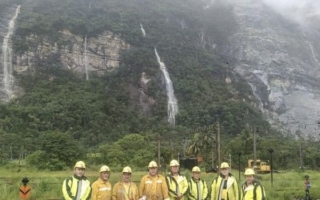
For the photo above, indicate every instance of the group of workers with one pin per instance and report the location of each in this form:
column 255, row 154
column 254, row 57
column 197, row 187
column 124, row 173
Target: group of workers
column 154, row 186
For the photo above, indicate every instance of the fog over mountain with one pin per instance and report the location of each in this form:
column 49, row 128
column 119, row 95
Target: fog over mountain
column 299, row 11
column 275, row 49
column 296, row 10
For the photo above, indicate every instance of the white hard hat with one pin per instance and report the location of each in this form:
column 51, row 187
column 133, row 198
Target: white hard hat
column 249, row 172
column 174, row 163
column 152, row 164
column 80, row 164
column 127, row 169
column 224, row 165
column 196, row 169
column 104, row 168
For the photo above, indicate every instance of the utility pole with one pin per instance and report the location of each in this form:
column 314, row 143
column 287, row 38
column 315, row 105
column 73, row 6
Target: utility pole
column 212, row 161
column 239, row 154
column 11, row 151
column 159, row 143
column 230, row 161
column 271, row 166
column 218, row 145
column 255, row 150
column 185, row 143
column 301, row 158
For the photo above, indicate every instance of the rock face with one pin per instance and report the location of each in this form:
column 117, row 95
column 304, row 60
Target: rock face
column 139, row 96
column 280, row 60
column 103, row 52
column 103, row 55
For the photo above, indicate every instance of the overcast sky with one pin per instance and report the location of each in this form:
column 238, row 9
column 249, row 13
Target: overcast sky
column 297, row 10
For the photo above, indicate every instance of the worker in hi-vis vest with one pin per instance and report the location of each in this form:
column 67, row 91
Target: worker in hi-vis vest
column 225, row 186
column 177, row 183
column 198, row 189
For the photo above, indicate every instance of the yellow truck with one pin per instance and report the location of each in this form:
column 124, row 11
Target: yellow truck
column 261, row 166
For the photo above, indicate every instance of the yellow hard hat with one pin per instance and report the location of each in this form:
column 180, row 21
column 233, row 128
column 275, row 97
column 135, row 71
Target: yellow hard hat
column 80, row 164
column 152, row 164
column 104, row 168
column 224, row 165
column 127, row 169
column 196, row 169
column 249, row 172
column 174, row 163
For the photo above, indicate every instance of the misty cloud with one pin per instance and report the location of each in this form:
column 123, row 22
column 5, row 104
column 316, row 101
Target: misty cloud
column 300, row 11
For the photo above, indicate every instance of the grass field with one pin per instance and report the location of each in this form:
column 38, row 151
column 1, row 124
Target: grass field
column 47, row 185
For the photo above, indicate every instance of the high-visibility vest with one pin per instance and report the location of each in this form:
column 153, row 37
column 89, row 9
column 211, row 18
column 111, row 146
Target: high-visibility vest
column 24, row 193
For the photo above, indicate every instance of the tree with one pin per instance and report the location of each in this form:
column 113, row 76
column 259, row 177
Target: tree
column 57, row 150
column 200, row 144
column 132, row 149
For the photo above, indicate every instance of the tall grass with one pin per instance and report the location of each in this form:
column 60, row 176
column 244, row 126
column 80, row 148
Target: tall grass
column 46, row 185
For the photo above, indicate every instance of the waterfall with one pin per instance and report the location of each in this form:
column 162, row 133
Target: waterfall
column 172, row 101
column 86, row 58
column 312, row 51
column 263, row 76
column 254, row 89
column 143, row 31
column 7, row 57
column 202, row 37
column 90, row 5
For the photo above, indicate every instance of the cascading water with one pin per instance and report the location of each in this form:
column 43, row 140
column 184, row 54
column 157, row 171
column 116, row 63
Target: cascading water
column 86, row 58
column 172, row 101
column 312, row 51
column 263, row 76
column 254, row 89
column 202, row 38
column 143, row 31
column 90, row 5
column 7, row 57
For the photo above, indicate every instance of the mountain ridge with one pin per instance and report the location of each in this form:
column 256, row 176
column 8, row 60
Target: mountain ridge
column 200, row 47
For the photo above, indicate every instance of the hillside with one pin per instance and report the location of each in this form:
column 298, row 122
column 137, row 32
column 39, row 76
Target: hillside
column 85, row 74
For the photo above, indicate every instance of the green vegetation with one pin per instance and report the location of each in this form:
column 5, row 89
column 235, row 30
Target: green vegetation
column 66, row 117
column 47, row 185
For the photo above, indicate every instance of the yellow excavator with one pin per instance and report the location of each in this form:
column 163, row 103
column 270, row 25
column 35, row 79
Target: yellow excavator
column 261, row 166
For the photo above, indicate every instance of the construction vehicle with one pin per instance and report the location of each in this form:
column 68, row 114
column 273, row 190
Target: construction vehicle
column 261, row 166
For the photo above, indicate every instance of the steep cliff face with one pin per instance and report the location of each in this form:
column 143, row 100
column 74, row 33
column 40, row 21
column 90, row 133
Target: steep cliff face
column 140, row 98
column 102, row 56
column 103, row 52
column 280, row 60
